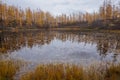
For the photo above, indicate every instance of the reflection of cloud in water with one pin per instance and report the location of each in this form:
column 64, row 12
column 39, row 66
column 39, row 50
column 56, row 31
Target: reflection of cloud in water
column 83, row 55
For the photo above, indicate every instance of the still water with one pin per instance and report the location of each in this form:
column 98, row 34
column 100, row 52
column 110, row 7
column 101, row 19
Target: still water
column 60, row 46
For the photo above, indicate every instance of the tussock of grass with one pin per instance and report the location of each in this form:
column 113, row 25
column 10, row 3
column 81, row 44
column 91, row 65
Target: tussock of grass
column 8, row 69
column 113, row 72
column 73, row 72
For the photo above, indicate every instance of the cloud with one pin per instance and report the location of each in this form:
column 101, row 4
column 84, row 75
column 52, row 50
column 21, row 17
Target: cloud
column 58, row 6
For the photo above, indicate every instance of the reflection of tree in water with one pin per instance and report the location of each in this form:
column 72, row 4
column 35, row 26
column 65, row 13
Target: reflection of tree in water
column 109, row 44
column 115, row 57
column 117, row 50
column 102, row 47
column 106, row 43
column 1, row 42
column 10, row 42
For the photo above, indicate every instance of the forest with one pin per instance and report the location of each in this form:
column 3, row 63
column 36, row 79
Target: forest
column 107, row 17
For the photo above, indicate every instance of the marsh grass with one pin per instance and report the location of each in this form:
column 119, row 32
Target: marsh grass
column 113, row 72
column 74, row 72
column 8, row 69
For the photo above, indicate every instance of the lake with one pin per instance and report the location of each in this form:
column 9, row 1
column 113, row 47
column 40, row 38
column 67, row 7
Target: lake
column 76, row 47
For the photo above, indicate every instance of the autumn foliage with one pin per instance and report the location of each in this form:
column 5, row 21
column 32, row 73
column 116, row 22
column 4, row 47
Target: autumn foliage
column 11, row 16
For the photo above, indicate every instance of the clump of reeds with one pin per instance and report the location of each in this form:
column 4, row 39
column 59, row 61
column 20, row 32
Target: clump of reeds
column 73, row 72
column 8, row 69
column 62, row 72
column 113, row 72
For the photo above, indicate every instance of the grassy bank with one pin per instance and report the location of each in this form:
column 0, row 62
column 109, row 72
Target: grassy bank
column 9, row 68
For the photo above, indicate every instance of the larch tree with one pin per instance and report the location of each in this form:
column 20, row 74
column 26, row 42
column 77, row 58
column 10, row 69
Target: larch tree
column 1, row 22
column 28, row 17
column 109, row 10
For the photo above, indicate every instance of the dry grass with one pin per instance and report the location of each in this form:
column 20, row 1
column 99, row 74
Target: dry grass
column 73, row 72
column 8, row 69
column 113, row 72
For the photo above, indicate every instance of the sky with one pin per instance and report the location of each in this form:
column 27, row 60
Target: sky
column 57, row 7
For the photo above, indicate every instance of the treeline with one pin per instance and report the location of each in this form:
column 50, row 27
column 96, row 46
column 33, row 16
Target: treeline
column 11, row 16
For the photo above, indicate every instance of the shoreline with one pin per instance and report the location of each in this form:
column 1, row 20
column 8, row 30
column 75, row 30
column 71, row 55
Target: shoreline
column 63, row 29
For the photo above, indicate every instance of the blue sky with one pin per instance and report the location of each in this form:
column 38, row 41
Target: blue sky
column 58, row 6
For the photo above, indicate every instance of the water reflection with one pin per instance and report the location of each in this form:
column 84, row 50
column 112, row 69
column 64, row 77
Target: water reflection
column 60, row 46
